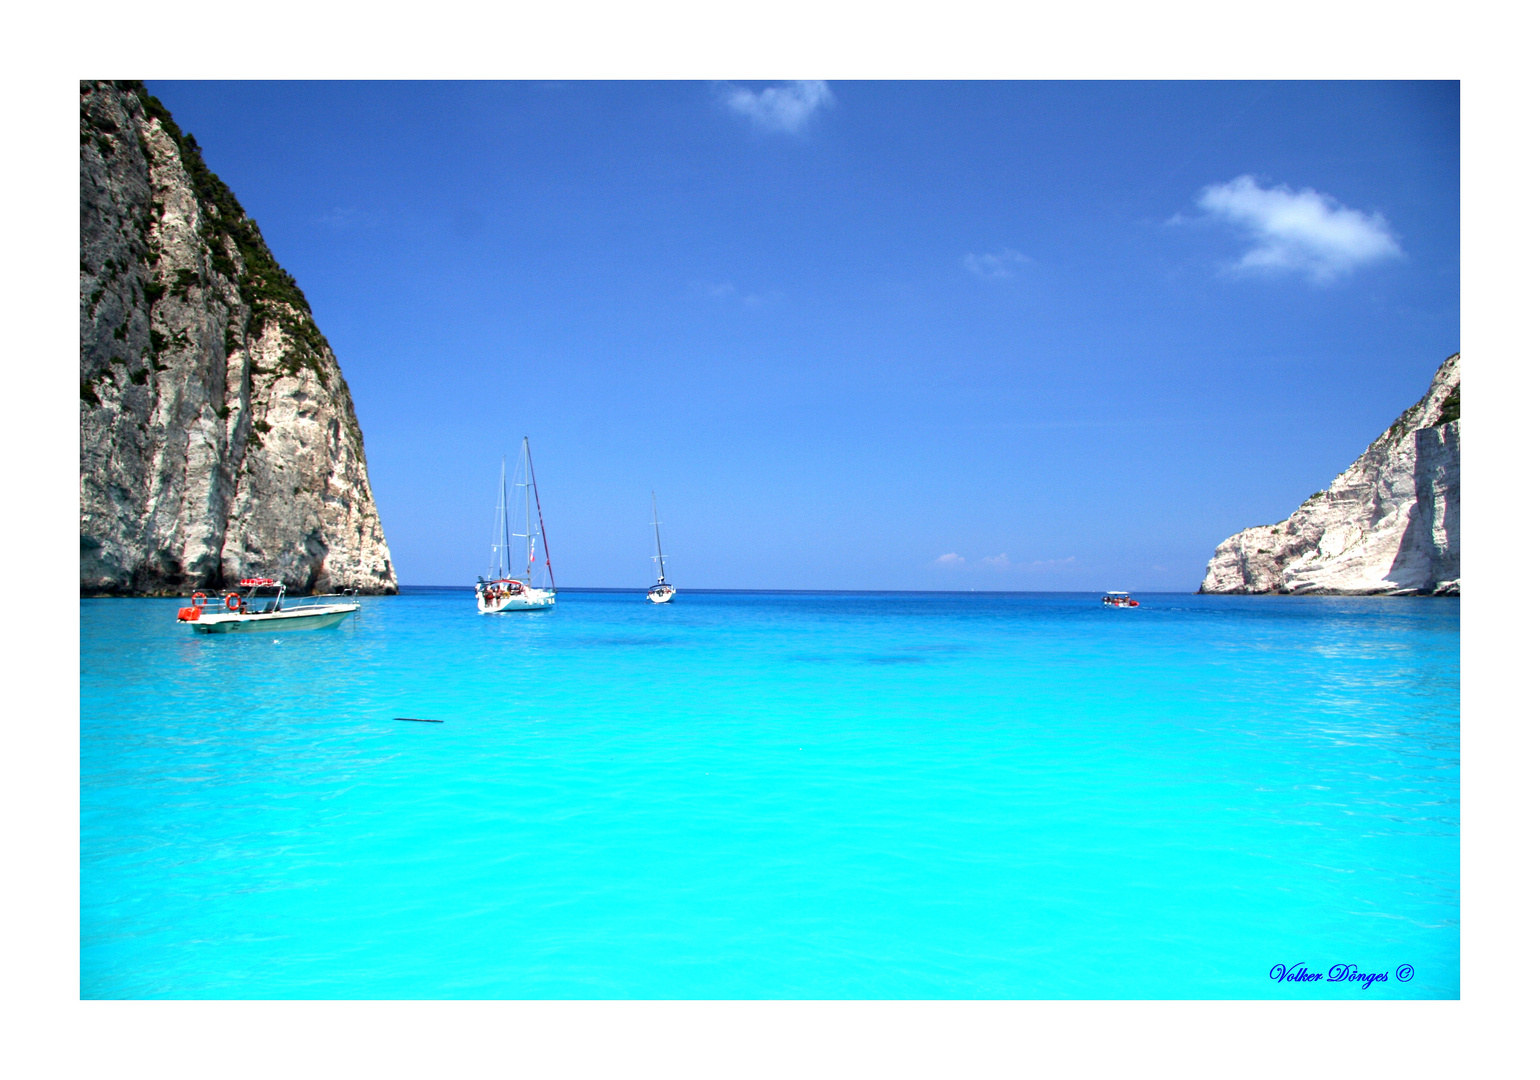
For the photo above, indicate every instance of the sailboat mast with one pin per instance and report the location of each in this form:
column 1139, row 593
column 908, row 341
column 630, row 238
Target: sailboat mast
column 529, row 539
column 530, row 461
column 502, row 504
column 657, row 536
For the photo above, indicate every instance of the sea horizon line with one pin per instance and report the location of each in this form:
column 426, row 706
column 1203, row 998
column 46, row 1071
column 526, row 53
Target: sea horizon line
column 831, row 592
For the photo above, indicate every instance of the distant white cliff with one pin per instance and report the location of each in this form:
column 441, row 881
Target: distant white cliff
column 1388, row 525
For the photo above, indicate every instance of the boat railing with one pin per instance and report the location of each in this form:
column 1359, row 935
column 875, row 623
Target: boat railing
column 316, row 598
column 216, row 599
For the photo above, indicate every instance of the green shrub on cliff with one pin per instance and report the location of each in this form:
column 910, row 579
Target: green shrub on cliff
column 269, row 289
column 1451, row 409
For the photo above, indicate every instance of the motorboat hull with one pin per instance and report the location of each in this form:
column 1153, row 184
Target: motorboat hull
column 316, row 618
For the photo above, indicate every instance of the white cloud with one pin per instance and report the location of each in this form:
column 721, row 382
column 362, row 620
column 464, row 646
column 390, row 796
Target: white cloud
column 1002, row 561
column 726, row 291
column 1304, row 230
column 785, row 108
column 994, row 267
column 343, row 218
column 1050, row 564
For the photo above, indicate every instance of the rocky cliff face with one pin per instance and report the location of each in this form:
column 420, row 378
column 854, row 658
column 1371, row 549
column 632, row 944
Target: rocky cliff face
column 217, row 434
column 1389, row 524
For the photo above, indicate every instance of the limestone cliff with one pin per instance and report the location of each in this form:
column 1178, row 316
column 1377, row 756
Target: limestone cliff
column 1389, row 524
column 217, row 434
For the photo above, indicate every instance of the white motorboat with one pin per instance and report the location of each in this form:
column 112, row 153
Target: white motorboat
column 662, row 592
column 260, row 605
column 1119, row 599
column 512, row 582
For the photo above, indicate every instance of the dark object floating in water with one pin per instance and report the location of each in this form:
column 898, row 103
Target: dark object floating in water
column 418, row 720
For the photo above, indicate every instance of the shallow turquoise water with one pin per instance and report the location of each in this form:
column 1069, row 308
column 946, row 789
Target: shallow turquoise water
column 758, row 795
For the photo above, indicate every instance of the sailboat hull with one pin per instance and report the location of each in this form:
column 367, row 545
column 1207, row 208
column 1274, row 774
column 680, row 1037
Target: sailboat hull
column 661, row 594
column 528, row 600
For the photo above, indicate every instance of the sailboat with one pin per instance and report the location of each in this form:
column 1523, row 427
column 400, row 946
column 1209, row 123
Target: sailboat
column 511, row 582
column 662, row 592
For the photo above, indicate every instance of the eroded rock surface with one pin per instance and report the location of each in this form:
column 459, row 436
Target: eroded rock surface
column 217, row 435
column 1389, row 524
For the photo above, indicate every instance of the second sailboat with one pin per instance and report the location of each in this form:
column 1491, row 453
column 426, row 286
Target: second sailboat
column 662, row 592
column 511, row 584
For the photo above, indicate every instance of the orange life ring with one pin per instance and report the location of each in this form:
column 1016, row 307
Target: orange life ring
column 233, row 602
column 199, row 599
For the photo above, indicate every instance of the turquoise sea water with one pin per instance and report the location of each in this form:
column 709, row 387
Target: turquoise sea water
column 772, row 795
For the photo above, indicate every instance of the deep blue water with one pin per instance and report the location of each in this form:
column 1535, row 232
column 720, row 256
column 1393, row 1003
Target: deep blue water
column 762, row 795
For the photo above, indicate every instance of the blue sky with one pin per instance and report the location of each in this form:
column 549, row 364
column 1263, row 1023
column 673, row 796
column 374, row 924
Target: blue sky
column 858, row 335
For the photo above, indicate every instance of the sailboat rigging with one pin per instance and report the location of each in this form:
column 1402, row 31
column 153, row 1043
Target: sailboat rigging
column 514, row 581
column 662, row 592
